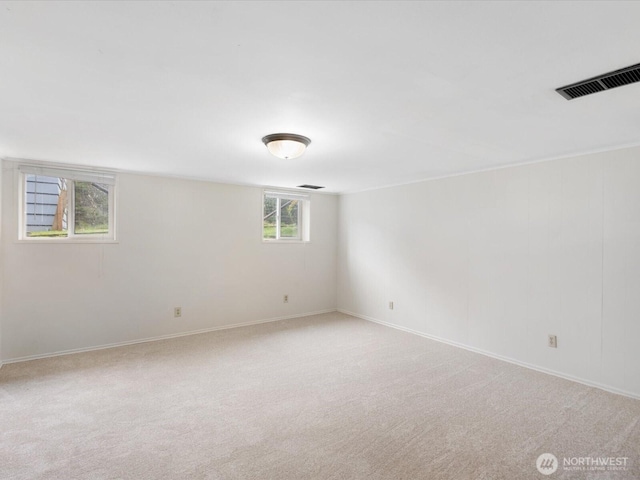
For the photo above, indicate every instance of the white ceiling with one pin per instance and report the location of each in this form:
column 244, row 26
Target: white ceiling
column 388, row 92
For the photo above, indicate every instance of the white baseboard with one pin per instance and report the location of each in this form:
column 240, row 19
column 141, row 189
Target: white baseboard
column 161, row 337
column 530, row 366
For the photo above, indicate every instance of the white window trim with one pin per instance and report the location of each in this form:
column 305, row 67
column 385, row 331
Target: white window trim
column 304, row 217
column 72, row 175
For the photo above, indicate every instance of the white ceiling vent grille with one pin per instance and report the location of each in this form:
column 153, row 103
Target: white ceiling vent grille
column 624, row 76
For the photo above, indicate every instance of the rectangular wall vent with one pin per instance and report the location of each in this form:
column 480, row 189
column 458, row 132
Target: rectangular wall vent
column 614, row 79
column 312, row 187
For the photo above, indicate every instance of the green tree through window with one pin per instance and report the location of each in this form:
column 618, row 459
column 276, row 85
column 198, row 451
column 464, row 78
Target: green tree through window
column 91, row 208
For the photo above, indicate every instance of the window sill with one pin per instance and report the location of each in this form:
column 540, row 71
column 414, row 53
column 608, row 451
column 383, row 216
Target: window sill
column 284, row 242
column 66, row 241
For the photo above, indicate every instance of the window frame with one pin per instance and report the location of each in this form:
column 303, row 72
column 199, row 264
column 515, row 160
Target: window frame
column 72, row 176
column 304, row 216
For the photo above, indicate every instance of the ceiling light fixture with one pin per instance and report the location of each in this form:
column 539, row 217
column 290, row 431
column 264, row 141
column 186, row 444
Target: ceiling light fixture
column 286, row 145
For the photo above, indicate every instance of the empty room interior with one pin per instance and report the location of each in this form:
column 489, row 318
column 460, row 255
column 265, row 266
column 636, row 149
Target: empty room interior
column 319, row 240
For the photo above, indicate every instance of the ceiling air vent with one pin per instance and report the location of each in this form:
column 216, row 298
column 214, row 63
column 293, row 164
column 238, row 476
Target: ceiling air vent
column 624, row 76
column 312, row 187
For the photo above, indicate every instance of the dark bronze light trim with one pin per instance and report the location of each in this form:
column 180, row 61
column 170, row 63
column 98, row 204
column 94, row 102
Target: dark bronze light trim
column 286, row 136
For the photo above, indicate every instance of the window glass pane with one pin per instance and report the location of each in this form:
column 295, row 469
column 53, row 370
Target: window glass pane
column 46, row 206
column 91, row 208
column 289, row 218
column 269, row 218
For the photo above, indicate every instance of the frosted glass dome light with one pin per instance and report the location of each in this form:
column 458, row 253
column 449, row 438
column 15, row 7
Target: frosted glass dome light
column 286, row 145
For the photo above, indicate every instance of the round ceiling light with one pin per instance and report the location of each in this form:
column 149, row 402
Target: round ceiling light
column 286, row 145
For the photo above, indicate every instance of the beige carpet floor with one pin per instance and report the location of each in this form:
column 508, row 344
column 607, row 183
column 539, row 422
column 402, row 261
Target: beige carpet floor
column 324, row 397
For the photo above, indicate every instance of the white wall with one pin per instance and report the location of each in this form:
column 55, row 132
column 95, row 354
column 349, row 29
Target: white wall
column 498, row 260
column 1, row 260
column 180, row 243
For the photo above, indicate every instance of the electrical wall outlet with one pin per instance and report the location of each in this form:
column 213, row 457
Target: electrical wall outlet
column 285, row 299
column 553, row 341
column 390, row 305
column 177, row 312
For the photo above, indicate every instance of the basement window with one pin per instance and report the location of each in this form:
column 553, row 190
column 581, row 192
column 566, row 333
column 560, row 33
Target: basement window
column 58, row 204
column 285, row 217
